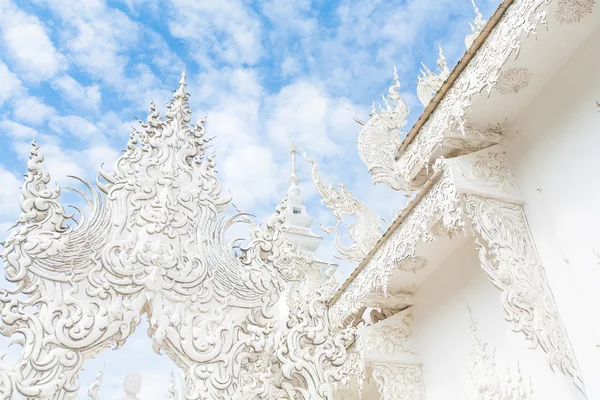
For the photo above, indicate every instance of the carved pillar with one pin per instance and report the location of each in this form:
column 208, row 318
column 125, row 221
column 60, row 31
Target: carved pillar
column 398, row 381
column 508, row 256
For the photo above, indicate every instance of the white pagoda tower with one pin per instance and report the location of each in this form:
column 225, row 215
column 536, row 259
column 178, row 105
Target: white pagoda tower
column 297, row 220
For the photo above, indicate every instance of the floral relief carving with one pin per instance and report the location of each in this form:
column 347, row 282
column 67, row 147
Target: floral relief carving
column 398, row 381
column 509, row 258
column 412, row 264
column 491, row 170
column 573, row 11
column 513, row 80
column 389, row 339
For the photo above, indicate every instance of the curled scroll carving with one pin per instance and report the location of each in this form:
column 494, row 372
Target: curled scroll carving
column 154, row 244
column 389, row 339
column 476, row 26
column 509, row 258
column 367, row 229
column 429, row 82
column 398, row 381
column 379, row 138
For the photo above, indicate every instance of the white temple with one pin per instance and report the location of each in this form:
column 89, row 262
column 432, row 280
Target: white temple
column 483, row 287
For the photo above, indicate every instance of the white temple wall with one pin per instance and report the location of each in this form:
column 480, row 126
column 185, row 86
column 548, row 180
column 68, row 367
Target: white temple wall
column 447, row 346
column 554, row 152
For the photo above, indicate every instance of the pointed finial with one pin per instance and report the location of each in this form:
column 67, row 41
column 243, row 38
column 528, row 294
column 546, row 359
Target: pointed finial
column 293, row 180
column 294, row 152
column 182, row 80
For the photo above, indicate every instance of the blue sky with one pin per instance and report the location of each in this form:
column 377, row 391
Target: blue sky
column 76, row 73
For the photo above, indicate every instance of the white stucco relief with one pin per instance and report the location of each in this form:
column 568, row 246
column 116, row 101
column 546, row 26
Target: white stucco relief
column 398, row 381
column 506, row 250
column 154, row 244
column 487, row 385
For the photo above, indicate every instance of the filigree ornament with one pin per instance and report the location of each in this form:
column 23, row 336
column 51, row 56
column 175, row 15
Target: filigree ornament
column 491, row 170
column 573, row 11
column 412, row 264
column 513, row 80
column 429, row 83
column 364, row 233
column 398, row 381
column 441, row 202
column 154, row 244
column 476, row 26
column 481, row 73
column 390, row 339
column 509, row 258
column 486, row 382
column 379, row 138
column 95, row 387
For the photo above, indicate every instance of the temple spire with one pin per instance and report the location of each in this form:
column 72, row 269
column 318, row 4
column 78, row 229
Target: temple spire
column 293, row 180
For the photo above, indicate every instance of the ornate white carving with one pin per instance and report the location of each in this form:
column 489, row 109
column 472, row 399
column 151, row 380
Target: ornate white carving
column 95, row 386
column 367, row 229
column 353, row 367
column 412, row 264
column 481, row 73
column 173, row 395
column 513, row 80
column 486, row 382
column 154, row 243
column 441, row 202
column 389, row 339
column 429, row 83
column 398, row 381
column 379, row 138
column 491, row 170
column 307, row 348
column 476, row 26
column 573, row 11
column 508, row 256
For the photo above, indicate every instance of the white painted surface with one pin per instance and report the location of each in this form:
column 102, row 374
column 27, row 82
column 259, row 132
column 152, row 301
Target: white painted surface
column 445, row 341
column 556, row 162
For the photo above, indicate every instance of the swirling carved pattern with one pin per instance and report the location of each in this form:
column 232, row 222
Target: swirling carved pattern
column 389, row 339
column 429, row 82
column 476, row 26
column 573, row 11
column 154, row 244
column 440, row 203
column 513, row 80
column 379, row 138
column 367, row 229
column 492, row 170
column 482, row 73
column 509, row 258
column 398, row 381
column 486, row 382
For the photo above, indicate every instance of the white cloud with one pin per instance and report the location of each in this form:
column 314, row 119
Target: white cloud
column 18, row 131
column 28, row 44
column 304, row 112
column 11, row 84
column 253, row 176
column 97, row 38
column 32, row 110
column 79, row 95
column 227, row 30
column 76, row 126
